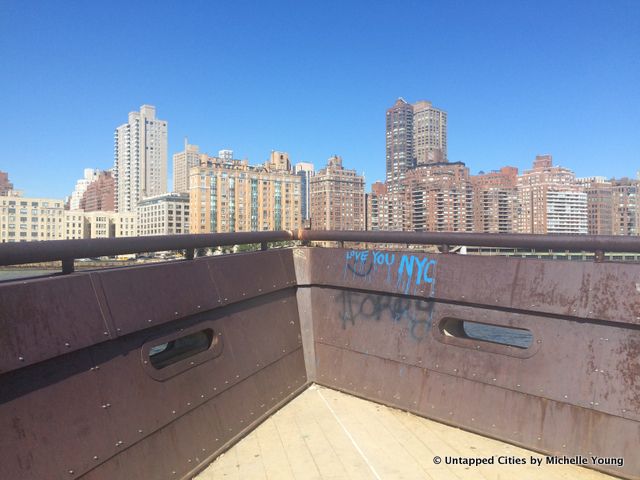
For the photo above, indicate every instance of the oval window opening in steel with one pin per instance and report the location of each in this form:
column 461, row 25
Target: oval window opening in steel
column 485, row 332
column 165, row 354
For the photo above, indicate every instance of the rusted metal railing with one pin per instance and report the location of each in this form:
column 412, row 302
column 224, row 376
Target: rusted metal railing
column 69, row 250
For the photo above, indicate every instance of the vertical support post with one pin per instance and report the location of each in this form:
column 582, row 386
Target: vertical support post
column 189, row 253
column 264, row 246
column 599, row 256
column 68, row 266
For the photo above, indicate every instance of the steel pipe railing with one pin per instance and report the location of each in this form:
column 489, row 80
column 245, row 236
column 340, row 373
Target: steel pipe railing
column 558, row 242
column 68, row 250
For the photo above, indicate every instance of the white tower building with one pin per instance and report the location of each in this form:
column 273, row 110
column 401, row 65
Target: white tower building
column 140, row 151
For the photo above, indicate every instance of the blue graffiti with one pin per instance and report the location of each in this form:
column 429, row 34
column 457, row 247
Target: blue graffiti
column 412, row 270
column 358, row 306
column 407, row 265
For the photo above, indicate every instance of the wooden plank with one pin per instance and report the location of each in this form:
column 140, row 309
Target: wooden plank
column 328, row 435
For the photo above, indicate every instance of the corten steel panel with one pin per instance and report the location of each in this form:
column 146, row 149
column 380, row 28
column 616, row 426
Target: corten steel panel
column 147, row 404
column 52, row 419
column 563, row 363
column 535, row 423
column 104, row 397
column 601, row 291
column 271, row 330
column 191, row 441
column 149, row 295
column 242, row 275
column 44, row 318
column 618, row 369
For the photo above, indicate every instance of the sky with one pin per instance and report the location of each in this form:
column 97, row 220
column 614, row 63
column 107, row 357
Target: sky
column 314, row 78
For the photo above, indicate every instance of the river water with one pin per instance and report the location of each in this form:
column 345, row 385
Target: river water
column 10, row 274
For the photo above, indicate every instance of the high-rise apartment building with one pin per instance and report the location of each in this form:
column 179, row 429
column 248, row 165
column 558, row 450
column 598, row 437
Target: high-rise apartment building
column 140, row 166
column 612, row 206
column 399, row 142
column 550, row 200
column 183, row 162
column 90, row 175
column 305, row 171
column 599, row 204
column 166, row 214
column 380, row 208
column 5, row 185
column 415, row 135
column 99, row 194
column 385, row 209
column 625, row 207
column 337, row 198
column 29, row 219
column 438, row 198
column 229, row 195
column 429, row 134
column 495, row 200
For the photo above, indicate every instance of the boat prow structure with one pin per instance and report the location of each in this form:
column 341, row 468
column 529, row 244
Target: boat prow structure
column 153, row 371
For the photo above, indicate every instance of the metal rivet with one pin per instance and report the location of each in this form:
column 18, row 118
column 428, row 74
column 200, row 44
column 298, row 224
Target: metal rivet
column 71, row 472
column 149, row 320
column 105, row 333
column 66, row 344
column 95, row 457
column 21, row 359
column 139, row 431
column 173, row 411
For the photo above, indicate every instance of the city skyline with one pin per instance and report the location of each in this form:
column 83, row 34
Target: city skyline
column 315, row 91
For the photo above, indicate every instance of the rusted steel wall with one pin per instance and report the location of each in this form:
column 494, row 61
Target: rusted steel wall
column 79, row 398
column 378, row 333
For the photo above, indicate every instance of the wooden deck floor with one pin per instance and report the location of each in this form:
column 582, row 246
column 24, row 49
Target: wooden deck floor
column 325, row 434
